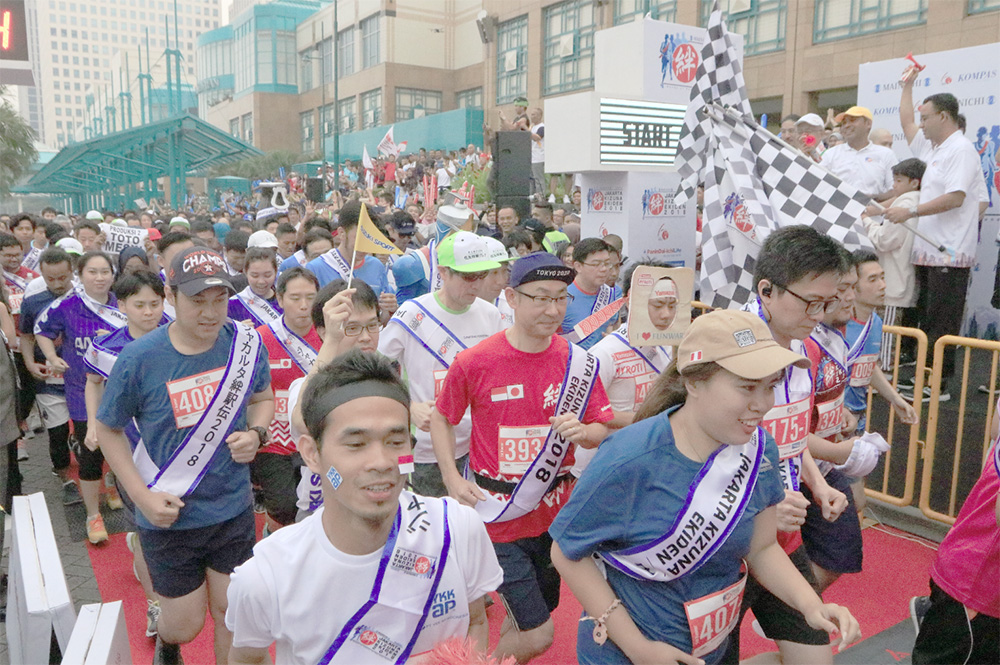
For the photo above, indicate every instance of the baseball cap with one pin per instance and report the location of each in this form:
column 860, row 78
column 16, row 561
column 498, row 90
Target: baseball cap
column 404, row 225
column 539, row 267
column 810, row 119
column 118, row 221
column 534, row 226
column 154, row 234
column 465, row 252
column 95, row 215
column 738, row 341
column 70, row 246
column 199, row 268
column 855, row 111
column 497, row 251
column 262, row 239
column 180, row 221
column 521, row 101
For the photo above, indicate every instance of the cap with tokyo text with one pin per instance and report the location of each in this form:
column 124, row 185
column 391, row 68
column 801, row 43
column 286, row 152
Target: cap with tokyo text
column 199, row 268
column 738, row 341
column 539, row 267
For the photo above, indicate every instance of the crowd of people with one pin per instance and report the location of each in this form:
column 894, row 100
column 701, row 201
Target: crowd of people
column 468, row 415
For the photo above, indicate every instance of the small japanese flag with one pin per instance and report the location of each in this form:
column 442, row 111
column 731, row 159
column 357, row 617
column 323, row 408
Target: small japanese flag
column 405, row 464
column 504, row 393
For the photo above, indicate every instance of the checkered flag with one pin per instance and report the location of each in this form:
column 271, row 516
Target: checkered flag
column 719, row 80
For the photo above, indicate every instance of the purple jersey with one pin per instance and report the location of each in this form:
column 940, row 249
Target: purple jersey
column 71, row 319
column 100, row 360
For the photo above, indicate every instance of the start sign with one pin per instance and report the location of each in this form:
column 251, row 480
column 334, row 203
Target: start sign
column 640, row 132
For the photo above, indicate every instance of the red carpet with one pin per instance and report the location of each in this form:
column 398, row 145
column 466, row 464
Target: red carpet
column 895, row 570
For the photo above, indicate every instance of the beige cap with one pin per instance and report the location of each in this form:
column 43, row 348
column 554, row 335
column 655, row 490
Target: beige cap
column 738, row 341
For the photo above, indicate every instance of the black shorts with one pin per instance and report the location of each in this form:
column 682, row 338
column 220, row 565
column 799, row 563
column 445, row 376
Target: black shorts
column 947, row 636
column 835, row 546
column 530, row 588
column 278, row 477
column 178, row 559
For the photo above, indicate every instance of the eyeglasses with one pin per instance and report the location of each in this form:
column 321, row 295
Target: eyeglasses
column 473, row 276
column 602, row 264
column 813, row 307
column 354, row 329
column 545, row 301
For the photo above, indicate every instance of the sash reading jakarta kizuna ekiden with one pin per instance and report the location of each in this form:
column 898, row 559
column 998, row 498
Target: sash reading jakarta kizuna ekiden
column 436, row 338
column 337, row 262
column 30, row 260
column 258, row 307
column 715, row 502
column 659, row 353
column 409, row 572
column 106, row 313
column 600, row 313
column 297, row 348
column 581, row 373
column 189, row 462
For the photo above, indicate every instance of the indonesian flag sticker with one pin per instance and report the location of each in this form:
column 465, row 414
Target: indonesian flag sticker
column 405, row 464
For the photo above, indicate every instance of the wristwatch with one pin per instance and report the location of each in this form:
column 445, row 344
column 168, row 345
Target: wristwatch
column 262, row 434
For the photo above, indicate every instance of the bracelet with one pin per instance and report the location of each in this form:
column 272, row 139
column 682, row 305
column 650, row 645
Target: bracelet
column 600, row 630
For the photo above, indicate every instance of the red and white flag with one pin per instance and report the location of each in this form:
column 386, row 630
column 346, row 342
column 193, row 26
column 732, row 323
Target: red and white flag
column 405, row 464
column 504, row 393
column 387, row 146
column 366, row 160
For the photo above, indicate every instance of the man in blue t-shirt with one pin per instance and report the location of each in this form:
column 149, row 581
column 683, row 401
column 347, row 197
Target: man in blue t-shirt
column 336, row 264
column 199, row 391
column 590, row 295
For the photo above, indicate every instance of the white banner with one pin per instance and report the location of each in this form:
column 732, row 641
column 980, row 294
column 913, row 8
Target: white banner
column 120, row 237
column 971, row 74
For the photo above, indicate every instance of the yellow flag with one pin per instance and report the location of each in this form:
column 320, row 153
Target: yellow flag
column 370, row 240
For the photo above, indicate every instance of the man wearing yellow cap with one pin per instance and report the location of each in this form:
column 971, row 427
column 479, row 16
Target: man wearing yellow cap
column 858, row 161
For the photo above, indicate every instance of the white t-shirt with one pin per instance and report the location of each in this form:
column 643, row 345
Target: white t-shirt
column 506, row 312
column 298, row 590
column 952, row 166
column 868, row 169
column 444, row 178
column 538, row 147
column 425, row 373
column 894, row 245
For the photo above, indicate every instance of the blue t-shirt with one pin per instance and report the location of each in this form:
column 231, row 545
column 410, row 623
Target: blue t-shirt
column 856, row 397
column 630, row 494
column 68, row 317
column 112, row 344
column 31, row 308
column 137, row 388
column 411, row 279
column 371, row 272
column 580, row 309
column 240, row 312
column 291, row 262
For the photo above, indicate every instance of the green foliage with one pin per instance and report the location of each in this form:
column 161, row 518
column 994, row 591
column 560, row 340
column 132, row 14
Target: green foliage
column 262, row 166
column 476, row 178
column 17, row 147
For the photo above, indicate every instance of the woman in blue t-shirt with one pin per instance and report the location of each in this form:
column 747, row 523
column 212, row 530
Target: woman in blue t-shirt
column 681, row 504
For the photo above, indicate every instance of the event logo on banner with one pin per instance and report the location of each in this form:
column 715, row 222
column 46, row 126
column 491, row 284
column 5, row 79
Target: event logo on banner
column 679, row 59
column 659, row 202
column 610, row 199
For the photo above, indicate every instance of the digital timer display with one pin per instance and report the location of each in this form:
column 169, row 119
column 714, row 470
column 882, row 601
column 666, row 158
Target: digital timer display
column 13, row 31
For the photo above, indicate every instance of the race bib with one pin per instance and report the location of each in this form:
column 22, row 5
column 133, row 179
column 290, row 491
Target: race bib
column 191, row 395
column 519, row 446
column 15, row 300
column 642, row 384
column 789, row 425
column 861, row 372
column 439, row 377
column 281, row 406
column 830, row 417
column 712, row 617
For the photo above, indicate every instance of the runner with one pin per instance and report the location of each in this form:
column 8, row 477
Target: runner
column 591, row 302
column 409, row 571
column 23, row 226
column 416, row 273
column 292, row 342
column 15, row 275
column 258, row 304
column 676, row 563
column 192, row 387
column 335, row 264
column 493, row 287
column 140, row 297
column 77, row 319
column 426, row 333
column 531, row 393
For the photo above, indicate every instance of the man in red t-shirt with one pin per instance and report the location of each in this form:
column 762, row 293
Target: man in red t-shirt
column 519, row 459
column 16, row 276
column 292, row 344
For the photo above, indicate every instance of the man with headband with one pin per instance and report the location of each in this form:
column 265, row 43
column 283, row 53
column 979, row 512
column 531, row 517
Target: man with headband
column 377, row 573
column 534, row 397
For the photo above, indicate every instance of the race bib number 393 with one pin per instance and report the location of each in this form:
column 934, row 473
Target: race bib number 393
column 519, row 446
column 190, row 396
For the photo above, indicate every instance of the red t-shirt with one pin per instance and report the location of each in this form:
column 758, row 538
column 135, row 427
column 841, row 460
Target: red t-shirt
column 830, row 378
column 15, row 294
column 510, row 390
column 283, row 372
column 390, row 171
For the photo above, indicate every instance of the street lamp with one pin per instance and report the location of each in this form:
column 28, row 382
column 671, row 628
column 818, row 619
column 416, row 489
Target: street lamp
column 322, row 109
column 335, row 75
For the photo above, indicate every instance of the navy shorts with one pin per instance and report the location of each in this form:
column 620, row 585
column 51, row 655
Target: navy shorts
column 530, row 588
column 834, row 546
column 178, row 558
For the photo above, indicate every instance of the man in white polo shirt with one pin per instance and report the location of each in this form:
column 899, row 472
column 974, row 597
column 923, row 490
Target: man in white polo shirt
column 427, row 332
column 858, row 161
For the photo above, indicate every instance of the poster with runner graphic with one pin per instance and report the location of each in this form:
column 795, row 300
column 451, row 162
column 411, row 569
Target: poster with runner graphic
column 659, row 305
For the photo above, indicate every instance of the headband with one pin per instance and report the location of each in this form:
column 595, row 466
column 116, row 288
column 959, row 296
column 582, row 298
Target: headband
column 315, row 410
column 668, row 290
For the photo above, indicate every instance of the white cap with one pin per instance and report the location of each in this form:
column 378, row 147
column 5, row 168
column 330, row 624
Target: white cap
column 262, row 239
column 95, row 215
column 465, row 252
column 810, row 119
column 497, row 251
column 180, row 220
column 118, row 221
column 70, row 246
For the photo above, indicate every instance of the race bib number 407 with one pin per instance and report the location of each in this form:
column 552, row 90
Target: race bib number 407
column 713, row 617
column 190, row 396
column 519, row 446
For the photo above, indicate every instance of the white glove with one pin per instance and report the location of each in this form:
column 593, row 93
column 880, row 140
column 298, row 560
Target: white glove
column 864, row 456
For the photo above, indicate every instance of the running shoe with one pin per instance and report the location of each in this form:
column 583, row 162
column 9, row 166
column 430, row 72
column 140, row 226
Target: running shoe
column 131, row 538
column 71, row 495
column 96, row 532
column 152, row 617
column 918, row 610
column 114, row 501
column 984, row 389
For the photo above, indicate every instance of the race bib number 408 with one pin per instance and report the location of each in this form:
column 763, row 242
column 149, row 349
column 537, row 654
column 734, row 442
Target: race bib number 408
column 190, row 396
column 519, row 446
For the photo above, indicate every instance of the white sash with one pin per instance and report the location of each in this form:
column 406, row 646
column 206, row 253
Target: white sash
column 409, row 572
column 100, row 359
column 436, row 338
column 602, row 299
column 714, row 505
column 297, row 348
column 106, row 313
column 581, row 373
column 855, row 350
column 435, row 276
column 30, row 260
column 337, row 262
column 188, row 464
column 663, row 353
column 300, row 256
column 258, row 307
column 16, row 280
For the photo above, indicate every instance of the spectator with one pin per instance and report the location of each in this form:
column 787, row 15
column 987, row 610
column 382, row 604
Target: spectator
column 858, row 161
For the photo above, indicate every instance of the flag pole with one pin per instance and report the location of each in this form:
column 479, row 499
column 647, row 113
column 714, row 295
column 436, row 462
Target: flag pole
column 354, row 257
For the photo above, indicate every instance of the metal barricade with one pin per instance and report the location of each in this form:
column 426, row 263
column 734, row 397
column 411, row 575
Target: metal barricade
column 699, row 308
column 934, row 468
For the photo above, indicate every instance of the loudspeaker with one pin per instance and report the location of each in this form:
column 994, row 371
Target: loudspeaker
column 511, row 174
column 519, row 203
column 314, row 189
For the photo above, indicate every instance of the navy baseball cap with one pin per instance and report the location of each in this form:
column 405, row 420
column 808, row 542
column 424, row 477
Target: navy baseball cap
column 405, row 226
column 197, row 269
column 538, row 267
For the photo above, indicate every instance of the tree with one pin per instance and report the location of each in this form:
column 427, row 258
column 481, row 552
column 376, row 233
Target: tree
column 260, row 166
column 17, row 147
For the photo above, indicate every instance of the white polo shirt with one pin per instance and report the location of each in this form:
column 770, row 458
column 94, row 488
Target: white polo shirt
column 868, row 169
column 952, row 166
